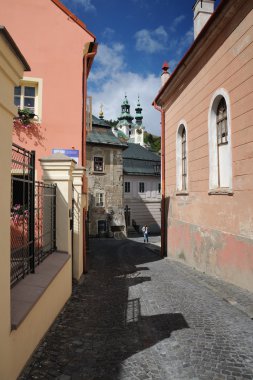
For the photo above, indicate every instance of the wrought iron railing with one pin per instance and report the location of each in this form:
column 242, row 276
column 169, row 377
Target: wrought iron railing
column 45, row 221
column 33, row 220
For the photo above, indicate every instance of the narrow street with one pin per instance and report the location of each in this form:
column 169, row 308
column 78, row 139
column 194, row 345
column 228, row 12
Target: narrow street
column 136, row 316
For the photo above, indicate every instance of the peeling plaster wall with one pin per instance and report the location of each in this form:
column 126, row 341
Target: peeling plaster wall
column 110, row 182
column 211, row 251
column 214, row 233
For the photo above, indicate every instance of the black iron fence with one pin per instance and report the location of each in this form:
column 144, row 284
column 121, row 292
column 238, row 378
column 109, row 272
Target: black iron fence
column 45, row 221
column 33, row 220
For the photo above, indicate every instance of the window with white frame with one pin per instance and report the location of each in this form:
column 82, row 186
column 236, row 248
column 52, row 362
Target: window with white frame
column 98, row 164
column 181, row 158
column 219, row 135
column 99, row 200
column 29, row 95
column 24, row 97
column 141, row 187
column 127, row 187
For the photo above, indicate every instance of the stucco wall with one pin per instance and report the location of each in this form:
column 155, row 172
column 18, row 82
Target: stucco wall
column 145, row 207
column 53, row 45
column 214, row 233
column 10, row 72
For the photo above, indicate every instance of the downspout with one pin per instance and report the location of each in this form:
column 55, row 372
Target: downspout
column 84, row 186
column 163, row 222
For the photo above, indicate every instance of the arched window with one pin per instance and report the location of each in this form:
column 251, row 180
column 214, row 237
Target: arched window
column 221, row 122
column 220, row 155
column 181, row 151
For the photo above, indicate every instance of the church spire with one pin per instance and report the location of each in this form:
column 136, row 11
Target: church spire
column 101, row 113
column 138, row 115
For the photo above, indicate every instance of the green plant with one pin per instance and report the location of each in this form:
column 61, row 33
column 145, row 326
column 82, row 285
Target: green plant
column 25, row 116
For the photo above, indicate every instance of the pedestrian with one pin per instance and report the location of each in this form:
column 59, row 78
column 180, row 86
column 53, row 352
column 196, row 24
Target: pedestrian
column 145, row 233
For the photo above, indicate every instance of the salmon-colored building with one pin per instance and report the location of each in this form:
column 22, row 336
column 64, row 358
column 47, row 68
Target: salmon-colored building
column 60, row 50
column 207, row 156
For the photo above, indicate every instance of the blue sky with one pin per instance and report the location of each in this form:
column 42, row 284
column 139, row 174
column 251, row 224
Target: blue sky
column 135, row 37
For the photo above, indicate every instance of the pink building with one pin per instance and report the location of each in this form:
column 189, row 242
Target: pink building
column 206, row 109
column 60, row 51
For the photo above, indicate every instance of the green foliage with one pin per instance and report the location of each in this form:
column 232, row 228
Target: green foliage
column 153, row 141
column 25, row 116
column 112, row 123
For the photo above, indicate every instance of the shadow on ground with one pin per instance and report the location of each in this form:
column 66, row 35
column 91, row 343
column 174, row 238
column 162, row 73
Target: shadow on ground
column 101, row 327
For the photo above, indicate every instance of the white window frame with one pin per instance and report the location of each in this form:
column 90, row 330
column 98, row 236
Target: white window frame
column 179, row 180
column 38, row 84
column 103, row 168
column 214, row 164
column 99, row 194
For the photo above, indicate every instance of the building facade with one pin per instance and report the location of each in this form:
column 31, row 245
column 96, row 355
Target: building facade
column 105, row 180
column 55, row 89
column 206, row 108
column 142, row 187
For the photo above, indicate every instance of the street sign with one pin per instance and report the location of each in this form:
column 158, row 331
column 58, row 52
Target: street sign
column 71, row 153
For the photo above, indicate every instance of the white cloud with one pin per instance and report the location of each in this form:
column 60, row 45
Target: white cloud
column 87, row 4
column 183, row 43
column 108, row 61
column 178, row 47
column 110, row 79
column 111, row 95
column 108, row 33
column 151, row 41
column 176, row 22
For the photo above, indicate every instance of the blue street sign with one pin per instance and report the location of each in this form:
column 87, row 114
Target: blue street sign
column 71, row 153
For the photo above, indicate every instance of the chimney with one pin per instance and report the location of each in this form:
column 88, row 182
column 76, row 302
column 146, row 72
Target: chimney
column 203, row 9
column 165, row 74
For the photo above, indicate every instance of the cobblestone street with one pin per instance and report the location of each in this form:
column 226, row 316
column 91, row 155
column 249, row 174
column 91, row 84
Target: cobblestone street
column 137, row 317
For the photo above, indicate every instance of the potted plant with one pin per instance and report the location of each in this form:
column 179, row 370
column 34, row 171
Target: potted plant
column 25, row 116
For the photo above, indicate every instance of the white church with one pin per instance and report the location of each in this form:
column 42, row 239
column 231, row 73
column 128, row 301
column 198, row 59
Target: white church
column 126, row 128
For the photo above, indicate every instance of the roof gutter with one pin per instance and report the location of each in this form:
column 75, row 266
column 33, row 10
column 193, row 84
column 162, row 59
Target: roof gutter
column 163, row 221
column 88, row 58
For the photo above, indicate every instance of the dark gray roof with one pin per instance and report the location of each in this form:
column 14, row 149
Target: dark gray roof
column 97, row 121
column 103, row 135
column 138, row 152
column 140, row 161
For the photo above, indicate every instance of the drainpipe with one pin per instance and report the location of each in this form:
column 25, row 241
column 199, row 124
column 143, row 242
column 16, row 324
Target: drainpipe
column 90, row 55
column 163, row 222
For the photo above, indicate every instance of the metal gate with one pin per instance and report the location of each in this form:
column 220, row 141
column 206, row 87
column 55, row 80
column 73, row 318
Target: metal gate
column 33, row 220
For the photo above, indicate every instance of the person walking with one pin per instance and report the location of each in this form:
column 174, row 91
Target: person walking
column 145, row 233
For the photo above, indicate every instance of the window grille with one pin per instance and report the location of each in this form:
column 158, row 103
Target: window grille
column 98, row 164
column 221, row 122
column 141, row 187
column 127, row 187
column 184, row 162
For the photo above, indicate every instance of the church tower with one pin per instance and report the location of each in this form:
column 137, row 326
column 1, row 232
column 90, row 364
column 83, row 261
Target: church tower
column 138, row 113
column 138, row 130
column 125, row 123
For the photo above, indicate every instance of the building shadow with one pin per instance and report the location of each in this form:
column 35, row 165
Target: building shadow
column 103, row 324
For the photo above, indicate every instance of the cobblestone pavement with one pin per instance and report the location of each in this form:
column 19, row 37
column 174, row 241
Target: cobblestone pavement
column 136, row 317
